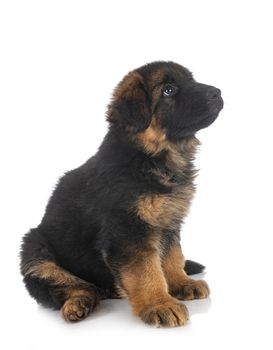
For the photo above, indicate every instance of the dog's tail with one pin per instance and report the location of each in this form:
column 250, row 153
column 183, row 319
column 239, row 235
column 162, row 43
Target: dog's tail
column 192, row 267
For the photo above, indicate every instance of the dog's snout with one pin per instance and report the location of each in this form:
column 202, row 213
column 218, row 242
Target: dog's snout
column 213, row 93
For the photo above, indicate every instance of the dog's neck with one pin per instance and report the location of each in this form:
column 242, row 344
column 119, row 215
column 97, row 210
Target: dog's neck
column 171, row 162
column 179, row 167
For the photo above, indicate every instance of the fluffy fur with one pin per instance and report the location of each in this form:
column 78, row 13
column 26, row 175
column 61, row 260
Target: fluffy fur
column 111, row 227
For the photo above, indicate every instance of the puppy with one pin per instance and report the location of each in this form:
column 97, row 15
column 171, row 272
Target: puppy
column 111, row 227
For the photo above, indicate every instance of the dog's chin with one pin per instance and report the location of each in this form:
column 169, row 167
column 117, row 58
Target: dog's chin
column 193, row 128
column 204, row 122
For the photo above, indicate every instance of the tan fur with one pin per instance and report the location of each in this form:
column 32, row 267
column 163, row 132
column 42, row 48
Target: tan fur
column 48, row 270
column 119, row 292
column 130, row 88
column 79, row 292
column 191, row 289
column 180, row 285
column 164, row 210
column 173, row 267
column 181, row 153
column 170, row 313
column 78, row 307
column 144, row 281
column 127, row 86
column 153, row 139
column 79, row 298
column 147, row 289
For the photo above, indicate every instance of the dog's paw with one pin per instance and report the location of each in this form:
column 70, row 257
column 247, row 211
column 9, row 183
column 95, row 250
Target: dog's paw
column 168, row 314
column 77, row 308
column 192, row 289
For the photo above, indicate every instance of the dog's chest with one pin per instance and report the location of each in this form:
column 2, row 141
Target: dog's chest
column 165, row 210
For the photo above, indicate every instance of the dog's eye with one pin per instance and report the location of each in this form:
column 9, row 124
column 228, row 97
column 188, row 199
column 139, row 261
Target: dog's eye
column 168, row 90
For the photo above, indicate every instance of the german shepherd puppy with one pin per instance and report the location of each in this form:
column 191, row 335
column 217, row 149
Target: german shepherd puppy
column 111, row 227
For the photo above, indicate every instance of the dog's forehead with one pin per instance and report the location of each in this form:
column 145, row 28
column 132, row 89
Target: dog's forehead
column 160, row 72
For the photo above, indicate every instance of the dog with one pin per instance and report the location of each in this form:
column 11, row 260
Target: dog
column 111, row 228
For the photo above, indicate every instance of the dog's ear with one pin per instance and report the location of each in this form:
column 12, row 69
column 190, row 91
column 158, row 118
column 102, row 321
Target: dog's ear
column 130, row 106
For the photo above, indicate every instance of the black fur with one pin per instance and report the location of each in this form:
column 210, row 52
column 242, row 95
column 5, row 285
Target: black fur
column 89, row 226
column 192, row 267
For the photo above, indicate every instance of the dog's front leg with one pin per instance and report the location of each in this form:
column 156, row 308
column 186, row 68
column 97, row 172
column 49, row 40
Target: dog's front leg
column 180, row 284
column 142, row 278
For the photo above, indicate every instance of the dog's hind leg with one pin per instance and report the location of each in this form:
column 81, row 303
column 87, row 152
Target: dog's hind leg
column 76, row 297
column 53, row 286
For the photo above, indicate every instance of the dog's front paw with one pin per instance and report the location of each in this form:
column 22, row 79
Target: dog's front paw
column 167, row 314
column 192, row 289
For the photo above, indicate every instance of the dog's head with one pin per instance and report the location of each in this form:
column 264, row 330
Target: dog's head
column 164, row 94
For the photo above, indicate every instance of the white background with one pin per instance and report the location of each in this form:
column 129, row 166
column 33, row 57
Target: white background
column 59, row 62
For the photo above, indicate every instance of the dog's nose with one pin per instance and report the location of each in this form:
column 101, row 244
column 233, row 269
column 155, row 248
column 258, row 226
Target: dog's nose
column 213, row 93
